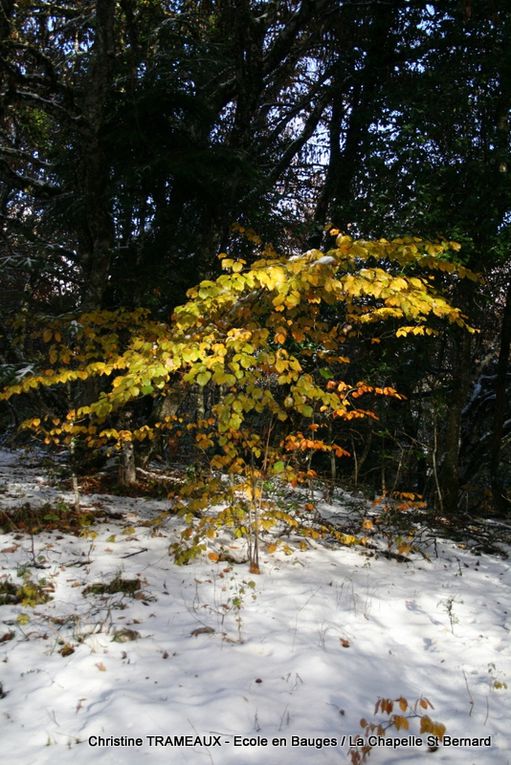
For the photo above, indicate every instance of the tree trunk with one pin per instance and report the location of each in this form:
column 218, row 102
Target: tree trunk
column 99, row 233
column 501, row 503
column 127, row 467
column 449, row 469
column 363, row 104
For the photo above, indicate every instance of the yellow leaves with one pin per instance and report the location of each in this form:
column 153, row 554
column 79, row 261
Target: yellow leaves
column 203, row 441
column 339, row 451
column 343, row 241
column 272, row 278
column 203, row 378
column 399, row 284
column 354, row 414
column 235, row 266
column 407, row 495
column 428, row 726
column 388, row 391
column 352, row 286
column 347, row 539
column 298, row 441
column 189, row 353
column 207, row 289
column 281, row 364
column 279, row 300
column 266, row 338
column 414, row 330
column 292, row 300
column 400, row 722
column 220, row 377
column 384, row 705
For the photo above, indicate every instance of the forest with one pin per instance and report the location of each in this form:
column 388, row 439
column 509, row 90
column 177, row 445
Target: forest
column 146, row 143
column 255, row 261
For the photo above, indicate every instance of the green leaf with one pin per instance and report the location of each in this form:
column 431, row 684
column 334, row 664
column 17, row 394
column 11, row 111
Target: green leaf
column 203, row 378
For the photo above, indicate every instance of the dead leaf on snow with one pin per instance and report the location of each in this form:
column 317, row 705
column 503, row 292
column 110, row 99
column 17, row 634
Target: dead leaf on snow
column 202, row 631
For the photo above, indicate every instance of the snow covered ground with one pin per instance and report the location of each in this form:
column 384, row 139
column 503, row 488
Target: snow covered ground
column 241, row 668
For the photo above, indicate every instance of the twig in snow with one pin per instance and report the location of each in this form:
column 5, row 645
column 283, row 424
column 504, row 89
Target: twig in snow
column 470, row 697
column 137, row 552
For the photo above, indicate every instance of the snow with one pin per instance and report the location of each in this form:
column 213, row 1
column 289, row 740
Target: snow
column 326, row 260
column 319, row 638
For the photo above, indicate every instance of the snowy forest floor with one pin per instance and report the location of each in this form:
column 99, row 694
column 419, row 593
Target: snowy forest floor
column 102, row 635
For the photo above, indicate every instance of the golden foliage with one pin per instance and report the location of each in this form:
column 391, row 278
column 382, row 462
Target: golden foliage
column 265, row 337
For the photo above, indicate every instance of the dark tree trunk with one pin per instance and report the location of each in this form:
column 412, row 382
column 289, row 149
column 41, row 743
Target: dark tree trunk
column 449, row 471
column 501, row 503
column 363, row 105
column 98, row 246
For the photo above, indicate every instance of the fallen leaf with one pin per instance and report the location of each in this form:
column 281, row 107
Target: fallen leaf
column 10, row 549
column 125, row 635
column 202, row 631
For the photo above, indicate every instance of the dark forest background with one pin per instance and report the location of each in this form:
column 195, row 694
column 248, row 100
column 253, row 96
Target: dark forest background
column 140, row 138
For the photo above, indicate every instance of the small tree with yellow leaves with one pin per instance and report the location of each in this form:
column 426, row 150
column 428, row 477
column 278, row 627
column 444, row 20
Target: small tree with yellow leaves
column 268, row 340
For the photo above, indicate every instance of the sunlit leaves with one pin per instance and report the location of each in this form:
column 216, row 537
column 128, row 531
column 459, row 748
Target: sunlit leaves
column 239, row 330
column 265, row 343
